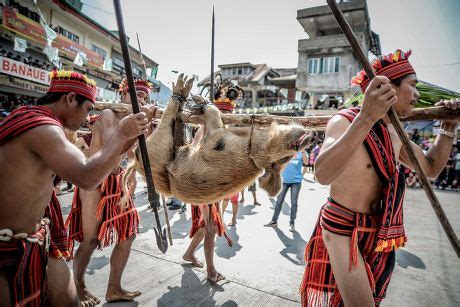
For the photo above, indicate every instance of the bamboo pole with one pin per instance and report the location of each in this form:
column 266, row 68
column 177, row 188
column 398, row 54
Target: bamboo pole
column 432, row 113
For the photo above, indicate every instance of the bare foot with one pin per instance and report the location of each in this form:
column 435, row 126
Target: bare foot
column 232, row 223
column 86, row 298
column 257, row 204
column 215, row 277
column 193, row 260
column 121, row 295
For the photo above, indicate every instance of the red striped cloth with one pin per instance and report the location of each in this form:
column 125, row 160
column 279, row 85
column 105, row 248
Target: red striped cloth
column 58, row 232
column 198, row 221
column 391, row 233
column 318, row 286
column 24, row 264
column 118, row 223
column 25, row 118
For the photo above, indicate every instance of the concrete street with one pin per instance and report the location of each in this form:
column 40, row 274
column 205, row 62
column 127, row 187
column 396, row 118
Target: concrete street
column 265, row 265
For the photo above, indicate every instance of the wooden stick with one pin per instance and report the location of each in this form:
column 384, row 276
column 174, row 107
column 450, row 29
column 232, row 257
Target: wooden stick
column 168, row 226
column 362, row 59
column 162, row 243
column 432, row 113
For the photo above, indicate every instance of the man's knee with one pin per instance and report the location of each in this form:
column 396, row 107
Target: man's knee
column 89, row 244
column 61, row 287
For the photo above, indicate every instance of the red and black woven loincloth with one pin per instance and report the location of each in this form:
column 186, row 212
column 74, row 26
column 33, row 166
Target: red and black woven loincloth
column 118, row 223
column 198, row 221
column 24, row 262
column 318, row 286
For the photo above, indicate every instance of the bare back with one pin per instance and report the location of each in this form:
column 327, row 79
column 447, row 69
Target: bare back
column 102, row 130
column 358, row 187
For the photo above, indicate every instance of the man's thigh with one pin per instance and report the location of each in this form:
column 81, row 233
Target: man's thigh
column 5, row 293
column 354, row 286
column 90, row 223
column 61, row 286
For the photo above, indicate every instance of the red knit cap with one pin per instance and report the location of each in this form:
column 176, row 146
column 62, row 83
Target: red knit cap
column 392, row 66
column 64, row 81
column 140, row 84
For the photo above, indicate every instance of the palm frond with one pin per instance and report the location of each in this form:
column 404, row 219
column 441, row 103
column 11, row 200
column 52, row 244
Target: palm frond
column 429, row 95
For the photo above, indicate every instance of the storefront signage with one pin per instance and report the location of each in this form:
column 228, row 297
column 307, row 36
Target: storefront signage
column 24, row 71
column 34, row 31
column 24, row 84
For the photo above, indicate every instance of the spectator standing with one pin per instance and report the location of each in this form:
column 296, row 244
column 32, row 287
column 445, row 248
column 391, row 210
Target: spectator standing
column 292, row 179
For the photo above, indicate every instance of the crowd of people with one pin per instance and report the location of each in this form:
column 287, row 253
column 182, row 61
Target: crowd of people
column 449, row 176
column 26, row 59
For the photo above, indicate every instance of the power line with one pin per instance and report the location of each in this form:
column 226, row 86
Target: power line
column 97, row 8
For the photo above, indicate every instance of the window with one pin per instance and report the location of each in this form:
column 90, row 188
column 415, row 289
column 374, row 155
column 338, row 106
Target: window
column 233, row 70
column 326, row 65
column 68, row 34
column 99, row 51
column 119, row 62
column 240, row 70
column 313, row 65
column 330, row 65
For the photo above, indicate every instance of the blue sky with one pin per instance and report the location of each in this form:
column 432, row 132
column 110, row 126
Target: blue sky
column 176, row 33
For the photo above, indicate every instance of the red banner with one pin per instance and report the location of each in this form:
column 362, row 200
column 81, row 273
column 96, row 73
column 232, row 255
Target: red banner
column 34, row 31
column 21, row 70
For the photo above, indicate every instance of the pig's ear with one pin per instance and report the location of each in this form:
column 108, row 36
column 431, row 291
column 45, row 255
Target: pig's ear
column 270, row 181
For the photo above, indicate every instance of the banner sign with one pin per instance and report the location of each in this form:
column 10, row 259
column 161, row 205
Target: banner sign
column 24, row 71
column 34, row 31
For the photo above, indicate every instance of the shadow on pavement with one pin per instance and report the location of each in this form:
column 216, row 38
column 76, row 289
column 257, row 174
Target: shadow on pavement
column 97, row 263
column 285, row 207
column 245, row 210
column 294, row 246
column 122, row 304
column 222, row 248
column 406, row 259
column 192, row 290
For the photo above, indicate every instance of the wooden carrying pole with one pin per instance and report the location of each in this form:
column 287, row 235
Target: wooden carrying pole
column 160, row 234
column 362, row 59
column 312, row 121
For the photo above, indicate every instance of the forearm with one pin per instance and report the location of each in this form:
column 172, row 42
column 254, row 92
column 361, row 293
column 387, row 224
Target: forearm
column 439, row 153
column 333, row 160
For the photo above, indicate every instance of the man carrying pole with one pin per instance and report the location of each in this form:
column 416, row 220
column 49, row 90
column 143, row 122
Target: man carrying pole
column 103, row 216
column 362, row 218
column 33, row 149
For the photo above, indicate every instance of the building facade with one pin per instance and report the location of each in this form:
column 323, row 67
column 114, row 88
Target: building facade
column 266, row 89
column 77, row 36
column 326, row 61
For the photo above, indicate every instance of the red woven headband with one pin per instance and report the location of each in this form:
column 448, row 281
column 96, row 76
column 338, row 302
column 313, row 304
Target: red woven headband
column 68, row 85
column 140, row 85
column 224, row 105
column 392, row 71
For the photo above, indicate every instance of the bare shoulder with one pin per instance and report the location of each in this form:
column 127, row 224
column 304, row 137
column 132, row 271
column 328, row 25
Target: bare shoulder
column 337, row 125
column 49, row 136
column 107, row 117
